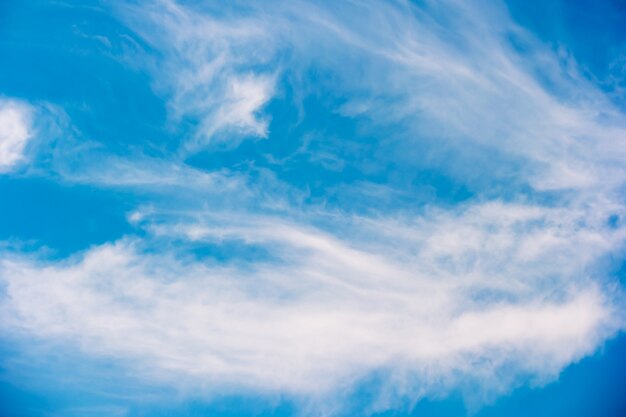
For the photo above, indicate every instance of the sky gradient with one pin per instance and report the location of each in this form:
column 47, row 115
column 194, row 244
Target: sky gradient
column 298, row 208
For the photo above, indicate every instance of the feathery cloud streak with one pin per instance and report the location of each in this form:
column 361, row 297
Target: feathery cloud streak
column 509, row 286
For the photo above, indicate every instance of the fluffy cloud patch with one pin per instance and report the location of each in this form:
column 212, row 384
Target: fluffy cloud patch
column 15, row 132
column 490, row 296
column 208, row 69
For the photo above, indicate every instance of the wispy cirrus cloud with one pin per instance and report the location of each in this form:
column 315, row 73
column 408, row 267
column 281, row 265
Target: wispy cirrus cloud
column 208, row 66
column 235, row 280
column 488, row 88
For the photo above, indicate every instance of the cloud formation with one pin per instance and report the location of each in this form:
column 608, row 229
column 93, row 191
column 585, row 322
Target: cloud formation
column 490, row 294
column 235, row 280
column 15, row 132
column 207, row 66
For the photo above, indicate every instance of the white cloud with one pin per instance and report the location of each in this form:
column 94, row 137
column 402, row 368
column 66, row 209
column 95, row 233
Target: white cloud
column 469, row 89
column 15, row 132
column 206, row 68
column 490, row 294
column 453, row 96
column 495, row 294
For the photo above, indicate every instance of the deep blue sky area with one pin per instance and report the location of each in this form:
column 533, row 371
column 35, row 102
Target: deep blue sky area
column 257, row 209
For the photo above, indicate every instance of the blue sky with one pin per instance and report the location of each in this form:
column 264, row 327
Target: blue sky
column 312, row 208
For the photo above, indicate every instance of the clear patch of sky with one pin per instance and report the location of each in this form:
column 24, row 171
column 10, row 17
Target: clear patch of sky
column 36, row 212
